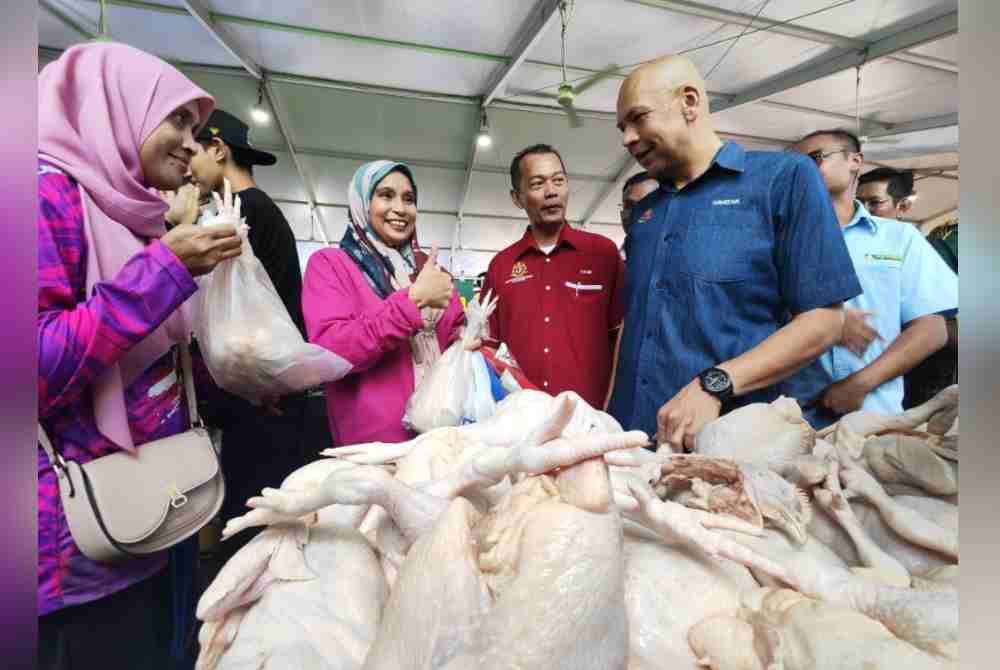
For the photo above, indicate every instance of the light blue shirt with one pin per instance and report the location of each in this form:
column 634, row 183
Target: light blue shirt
column 902, row 278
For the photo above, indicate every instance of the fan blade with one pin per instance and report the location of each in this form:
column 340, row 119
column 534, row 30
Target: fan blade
column 574, row 119
column 587, row 83
column 515, row 93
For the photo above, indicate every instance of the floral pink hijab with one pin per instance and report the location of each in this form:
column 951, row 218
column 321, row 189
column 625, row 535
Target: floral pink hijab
column 97, row 105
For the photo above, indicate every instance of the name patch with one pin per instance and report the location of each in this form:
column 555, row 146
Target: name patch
column 884, row 260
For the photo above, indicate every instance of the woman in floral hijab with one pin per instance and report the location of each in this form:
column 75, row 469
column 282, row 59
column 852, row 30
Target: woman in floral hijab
column 381, row 304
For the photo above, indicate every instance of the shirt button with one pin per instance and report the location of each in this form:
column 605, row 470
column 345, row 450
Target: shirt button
column 545, row 384
column 643, row 381
column 548, row 260
column 546, row 350
column 547, row 319
column 548, row 288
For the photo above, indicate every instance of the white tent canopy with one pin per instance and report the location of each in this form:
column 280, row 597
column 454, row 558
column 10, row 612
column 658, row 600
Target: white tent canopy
column 351, row 82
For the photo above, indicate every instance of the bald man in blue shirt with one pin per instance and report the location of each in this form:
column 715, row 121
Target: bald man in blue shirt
column 908, row 292
column 736, row 267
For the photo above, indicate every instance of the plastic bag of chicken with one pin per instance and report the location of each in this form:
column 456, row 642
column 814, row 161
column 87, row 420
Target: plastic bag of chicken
column 249, row 343
column 458, row 387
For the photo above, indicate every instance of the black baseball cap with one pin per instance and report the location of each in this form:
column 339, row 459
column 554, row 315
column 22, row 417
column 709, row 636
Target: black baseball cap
column 234, row 133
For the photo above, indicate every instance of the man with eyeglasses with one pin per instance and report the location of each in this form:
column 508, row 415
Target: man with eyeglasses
column 637, row 187
column 886, row 192
column 907, row 293
column 736, row 276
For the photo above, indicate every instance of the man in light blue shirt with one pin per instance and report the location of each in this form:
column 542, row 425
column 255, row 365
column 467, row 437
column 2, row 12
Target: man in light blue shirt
column 898, row 320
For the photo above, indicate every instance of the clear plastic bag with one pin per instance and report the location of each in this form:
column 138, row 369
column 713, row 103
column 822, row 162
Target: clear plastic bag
column 456, row 390
column 250, row 344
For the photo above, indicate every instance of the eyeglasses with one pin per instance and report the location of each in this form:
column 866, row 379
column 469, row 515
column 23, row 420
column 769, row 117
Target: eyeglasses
column 818, row 156
column 872, row 203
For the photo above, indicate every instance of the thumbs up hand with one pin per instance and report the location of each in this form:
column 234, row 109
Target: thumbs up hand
column 433, row 287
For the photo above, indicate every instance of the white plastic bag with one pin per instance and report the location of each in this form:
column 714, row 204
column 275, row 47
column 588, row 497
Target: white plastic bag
column 456, row 390
column 250, row 344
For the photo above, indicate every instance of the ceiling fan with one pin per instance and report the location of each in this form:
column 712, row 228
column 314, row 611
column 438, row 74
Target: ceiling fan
column 567, row 92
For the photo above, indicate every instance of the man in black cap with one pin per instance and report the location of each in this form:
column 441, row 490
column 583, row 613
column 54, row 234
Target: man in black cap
column 227, row 154
column 260, row 446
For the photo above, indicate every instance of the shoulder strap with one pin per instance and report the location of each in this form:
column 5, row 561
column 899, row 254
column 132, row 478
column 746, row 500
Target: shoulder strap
column 192, row 401
column 43, row 439
column 55, row 458
column 187, row 376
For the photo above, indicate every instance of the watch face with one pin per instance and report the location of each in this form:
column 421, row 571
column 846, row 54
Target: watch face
column 716, row 381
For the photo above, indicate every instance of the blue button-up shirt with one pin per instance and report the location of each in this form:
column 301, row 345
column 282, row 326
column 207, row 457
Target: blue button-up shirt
column 717, row 267
column 903, row 278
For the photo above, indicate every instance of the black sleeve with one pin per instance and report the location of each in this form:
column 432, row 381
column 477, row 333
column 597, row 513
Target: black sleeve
column 273, row 243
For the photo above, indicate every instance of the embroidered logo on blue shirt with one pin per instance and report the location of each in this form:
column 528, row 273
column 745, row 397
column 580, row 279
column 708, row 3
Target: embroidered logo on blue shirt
column 726, row 202
column 888, row 260
column 645, row 216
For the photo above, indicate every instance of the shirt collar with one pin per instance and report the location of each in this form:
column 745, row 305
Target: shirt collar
column 730, row 156
column 861, row 215
column 568, row 236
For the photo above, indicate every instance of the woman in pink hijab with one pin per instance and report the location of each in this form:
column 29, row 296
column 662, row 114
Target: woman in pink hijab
column 114, row 124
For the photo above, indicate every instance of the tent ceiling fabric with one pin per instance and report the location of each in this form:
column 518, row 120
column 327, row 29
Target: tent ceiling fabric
column 335, row 69
column 946, row 49
column 859, row 20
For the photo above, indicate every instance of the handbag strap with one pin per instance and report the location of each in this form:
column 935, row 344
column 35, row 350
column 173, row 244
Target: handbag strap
column 55, row 458
column 187, row 377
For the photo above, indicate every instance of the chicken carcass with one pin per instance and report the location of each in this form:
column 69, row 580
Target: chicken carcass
column 780, row 628
column 547, row 537
column 771, row 435
column 659, row 583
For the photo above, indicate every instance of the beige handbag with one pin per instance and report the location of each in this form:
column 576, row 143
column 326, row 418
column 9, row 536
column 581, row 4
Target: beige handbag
column 127, row 505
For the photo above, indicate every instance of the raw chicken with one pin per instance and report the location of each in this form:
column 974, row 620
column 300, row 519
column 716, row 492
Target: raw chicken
column 326, row 623
column 769, row 435
column 779, row 628
column 547, row 537
column 658, row 583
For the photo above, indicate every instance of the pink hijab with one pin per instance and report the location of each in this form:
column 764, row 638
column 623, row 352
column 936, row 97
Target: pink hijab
column 97, row 104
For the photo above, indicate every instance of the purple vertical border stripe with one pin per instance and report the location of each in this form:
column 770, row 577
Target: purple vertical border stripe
column 18, row 358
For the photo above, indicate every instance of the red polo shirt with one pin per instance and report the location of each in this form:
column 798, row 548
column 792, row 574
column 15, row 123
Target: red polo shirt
column 557, row 312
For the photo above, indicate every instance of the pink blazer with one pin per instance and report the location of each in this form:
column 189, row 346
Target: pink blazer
column 343, row 314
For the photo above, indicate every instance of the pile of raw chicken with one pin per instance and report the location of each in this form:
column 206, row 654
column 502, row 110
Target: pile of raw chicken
column 546, row 537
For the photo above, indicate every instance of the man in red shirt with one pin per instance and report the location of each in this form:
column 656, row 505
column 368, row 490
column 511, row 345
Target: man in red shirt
column 559, row 288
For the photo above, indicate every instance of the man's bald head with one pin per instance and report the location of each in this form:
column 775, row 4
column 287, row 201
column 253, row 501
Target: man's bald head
column 664, row 76
column 663, row 114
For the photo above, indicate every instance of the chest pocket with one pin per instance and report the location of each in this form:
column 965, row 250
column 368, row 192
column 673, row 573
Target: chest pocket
column 724, row 243
column 882, row 287
column 585, row 292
